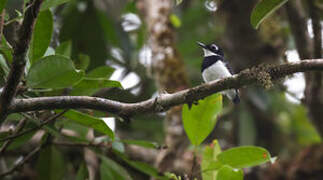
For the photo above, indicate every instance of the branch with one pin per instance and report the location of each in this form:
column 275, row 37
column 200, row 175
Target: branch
column 297, row 21
column 165, row 101
column 21, row 162
column 44, row 122
column 19, row 58
column 17, row 130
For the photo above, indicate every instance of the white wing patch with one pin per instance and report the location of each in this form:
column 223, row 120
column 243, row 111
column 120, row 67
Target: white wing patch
column 215, row 71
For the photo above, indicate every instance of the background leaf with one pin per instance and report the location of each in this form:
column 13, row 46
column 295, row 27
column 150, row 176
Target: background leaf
column 263, row 9
column 55, row 72
column 50, row 164
column 141, row 166
column 64, row 49
column 109, row 169
column 244, row 156
column 89, row 121
column 51, row 3
column 82, row 172
column 200, row 120
column 101, row 72
column 88, row 86
column 5, row 49
column 3, row 5
column 142, row 143
column 42, row 35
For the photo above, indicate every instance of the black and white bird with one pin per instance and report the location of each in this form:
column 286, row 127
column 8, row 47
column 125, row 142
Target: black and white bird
column 214, row 67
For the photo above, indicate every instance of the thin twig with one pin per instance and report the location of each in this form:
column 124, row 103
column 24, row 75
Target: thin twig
column 22, row 162
column 19, row 127
column 19, row 58
column 165, row 101
column 51, row 119
column 85, row 144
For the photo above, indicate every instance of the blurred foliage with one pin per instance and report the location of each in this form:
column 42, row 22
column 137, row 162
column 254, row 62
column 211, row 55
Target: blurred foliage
column 83, row 47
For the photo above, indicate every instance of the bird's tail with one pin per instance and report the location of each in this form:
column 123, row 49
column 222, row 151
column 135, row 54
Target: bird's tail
column 233, row 95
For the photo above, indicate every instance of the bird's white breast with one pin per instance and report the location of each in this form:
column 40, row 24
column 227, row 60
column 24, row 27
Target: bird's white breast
column 217, row 70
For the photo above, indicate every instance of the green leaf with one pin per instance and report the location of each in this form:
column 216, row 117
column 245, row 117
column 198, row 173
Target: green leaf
column 101, row 72
column 19, row 141
column 244, row 156
column 88, row 86
column 302, row 129
column 229, row 173
column 82, row 172
column 2, row 5
column 4, row 67
column 53, row 72
column 89, row 121
column 176, row 22
column 209, row 162
column 50, row 164
column 200, row 120
column 64, row 49
column 142, row 143
column 5, row 49
column 51, row 3
column 263, row 9
column 111, row 170
column 82, row 62
column 141, row 166
column 42, row 36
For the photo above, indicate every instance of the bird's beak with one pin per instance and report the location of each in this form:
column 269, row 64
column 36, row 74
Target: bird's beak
column 201, row 44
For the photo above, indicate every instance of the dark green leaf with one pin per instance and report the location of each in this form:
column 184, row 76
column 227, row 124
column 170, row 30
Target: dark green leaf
column 142, row 143
column 2, row 5
column 89, row 121
column 4, row 66
column 42, row 36
column 200, row 120
column 65, row 49
column 229, row 173
column 244, row 156
column 101, row 72
column 50, row 164
column 141, row 166
column 84, row 30
column 82, row 62
column 303, row 129
column 111, row 170
column 51, row 3
column 5, row 49
column 109, row 27
column 88, row 86
column 82, row 172
column 209, row 162
column 53, row 72
column 18, row 142
column 263, row 9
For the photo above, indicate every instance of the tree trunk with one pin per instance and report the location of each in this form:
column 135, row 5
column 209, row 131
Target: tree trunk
column 169, row 73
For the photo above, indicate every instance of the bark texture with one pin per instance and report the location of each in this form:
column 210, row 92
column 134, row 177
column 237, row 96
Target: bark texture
column 169, row 73
column 305, row 45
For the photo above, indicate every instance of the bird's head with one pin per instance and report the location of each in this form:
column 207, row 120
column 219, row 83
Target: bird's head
column 211, row 49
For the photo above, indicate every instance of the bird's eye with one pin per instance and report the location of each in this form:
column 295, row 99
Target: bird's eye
column 214, row 47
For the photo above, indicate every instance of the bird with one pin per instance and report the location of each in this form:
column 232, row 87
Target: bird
column 215, row 67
